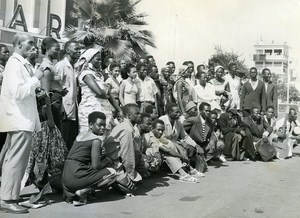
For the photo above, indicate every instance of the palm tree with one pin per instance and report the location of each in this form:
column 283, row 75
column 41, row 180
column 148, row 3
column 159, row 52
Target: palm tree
column 113, row 24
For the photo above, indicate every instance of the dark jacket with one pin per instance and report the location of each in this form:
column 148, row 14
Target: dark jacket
column 193, row 126
column 253, row 98
column 271, row 97
column 256, row 129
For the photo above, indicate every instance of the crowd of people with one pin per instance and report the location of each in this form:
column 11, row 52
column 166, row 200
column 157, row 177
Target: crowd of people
column 79, row 120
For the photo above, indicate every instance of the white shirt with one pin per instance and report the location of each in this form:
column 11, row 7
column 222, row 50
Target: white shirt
column 234, row 83
column 19, row 108
column 68, row 77
column 253, row 84
column 147, row 89
column 289, row 125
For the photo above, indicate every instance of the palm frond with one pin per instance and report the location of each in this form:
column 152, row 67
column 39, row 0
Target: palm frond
column 76, row 34
column 121, row 49
column 114, row 24
column 83, row 9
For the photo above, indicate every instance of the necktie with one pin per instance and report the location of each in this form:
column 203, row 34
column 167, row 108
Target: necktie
column 203, row 131
column 28, row 68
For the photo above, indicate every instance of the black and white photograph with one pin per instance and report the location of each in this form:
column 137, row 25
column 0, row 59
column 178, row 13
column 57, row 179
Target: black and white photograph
column 148, row 108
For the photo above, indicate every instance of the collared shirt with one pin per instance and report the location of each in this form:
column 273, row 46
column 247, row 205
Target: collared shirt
column 19, row 107
column 176, row 132
column 155, row 143
column 68, row 75
column 289, row 125
column 147, row 89
column 266, row 85
column 124, row 132
column 253, row 84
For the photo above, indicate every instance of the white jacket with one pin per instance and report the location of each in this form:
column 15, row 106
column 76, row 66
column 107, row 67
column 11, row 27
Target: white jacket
column 19, row 107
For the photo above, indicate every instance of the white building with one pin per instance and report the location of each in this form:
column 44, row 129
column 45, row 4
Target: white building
column 272, row 56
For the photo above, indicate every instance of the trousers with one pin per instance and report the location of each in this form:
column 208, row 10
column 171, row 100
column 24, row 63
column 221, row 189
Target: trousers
column 18, row 145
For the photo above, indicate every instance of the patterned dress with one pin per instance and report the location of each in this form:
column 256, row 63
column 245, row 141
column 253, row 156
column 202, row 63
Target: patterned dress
column 186, row 91
column 47, row 157
column 90, row 102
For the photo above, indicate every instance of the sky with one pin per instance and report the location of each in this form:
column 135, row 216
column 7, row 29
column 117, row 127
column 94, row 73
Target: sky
column 191, row 29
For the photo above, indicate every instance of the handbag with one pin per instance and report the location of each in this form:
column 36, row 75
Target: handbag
column 265, row 149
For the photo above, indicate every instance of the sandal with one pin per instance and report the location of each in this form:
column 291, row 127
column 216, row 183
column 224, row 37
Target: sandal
column 188, row 178
column 197, row 174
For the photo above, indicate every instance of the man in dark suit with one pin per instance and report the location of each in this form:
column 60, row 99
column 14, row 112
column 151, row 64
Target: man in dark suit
column 259, row 130
column 253, row 93
column 271, row 91
column 237, row 143
column 200, row 130
column 256, row 126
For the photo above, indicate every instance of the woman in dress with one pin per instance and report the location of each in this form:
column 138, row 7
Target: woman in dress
column 87, row 166
column 48, row 151
column 51, row 82
column 182, row 90
column 95, row 94
column 128, row 88
column 221, row 88
column 113, row 83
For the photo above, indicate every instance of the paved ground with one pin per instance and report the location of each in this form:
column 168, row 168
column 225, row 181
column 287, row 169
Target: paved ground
column 233, row 189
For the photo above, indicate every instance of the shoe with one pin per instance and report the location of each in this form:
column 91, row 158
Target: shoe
column 197, row 174
column 222, row 158
column 188, row 178
column 79, row 203
column 12, row 208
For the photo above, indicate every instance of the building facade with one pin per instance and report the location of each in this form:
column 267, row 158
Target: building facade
column 272, row 56
column 40, row 18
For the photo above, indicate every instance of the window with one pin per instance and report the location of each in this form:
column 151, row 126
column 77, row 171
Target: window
column 259, row 51
column 269, row 64
column 277, row 51
column 277, row 64
column 259, row 64
column 268, row 51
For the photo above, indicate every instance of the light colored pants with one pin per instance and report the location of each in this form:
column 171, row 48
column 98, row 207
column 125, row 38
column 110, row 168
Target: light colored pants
column 174, row 163
column 18, row 145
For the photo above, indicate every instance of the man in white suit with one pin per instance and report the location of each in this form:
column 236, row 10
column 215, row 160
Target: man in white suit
column 20, row 119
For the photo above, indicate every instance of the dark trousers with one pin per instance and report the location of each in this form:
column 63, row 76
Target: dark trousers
column 69, row 132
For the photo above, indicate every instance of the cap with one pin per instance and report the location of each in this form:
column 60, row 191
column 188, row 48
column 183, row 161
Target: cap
column 190, row 105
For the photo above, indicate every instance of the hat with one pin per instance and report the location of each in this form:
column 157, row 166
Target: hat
column 217, row 68
column 190, row 105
